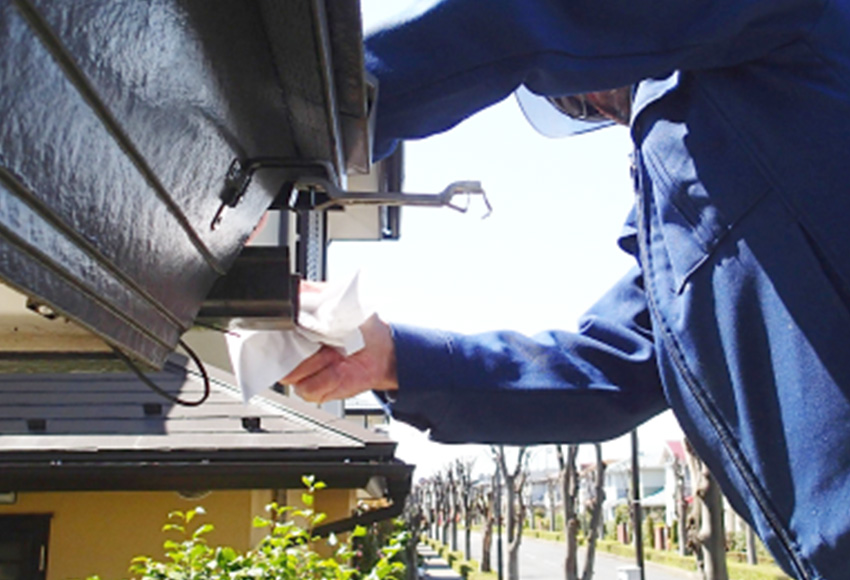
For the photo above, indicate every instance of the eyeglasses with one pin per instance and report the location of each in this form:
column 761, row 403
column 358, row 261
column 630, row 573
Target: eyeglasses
column 578, row 107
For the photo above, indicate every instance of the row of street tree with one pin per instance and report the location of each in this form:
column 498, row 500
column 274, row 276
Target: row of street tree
column 458, row 497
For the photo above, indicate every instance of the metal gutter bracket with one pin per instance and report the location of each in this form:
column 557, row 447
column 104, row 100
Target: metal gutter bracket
column 313, row 186
column 337, row 198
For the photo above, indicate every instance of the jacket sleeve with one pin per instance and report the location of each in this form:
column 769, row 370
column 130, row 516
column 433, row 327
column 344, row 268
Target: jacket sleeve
column 503, row 387
column 445, row 62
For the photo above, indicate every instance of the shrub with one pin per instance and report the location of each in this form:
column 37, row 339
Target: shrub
column 286, row 553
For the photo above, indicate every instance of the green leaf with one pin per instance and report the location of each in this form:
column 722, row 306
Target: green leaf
column 204, row 529
column 261, row 522
column 307, row 499
column 358, row 532
column 170, row 545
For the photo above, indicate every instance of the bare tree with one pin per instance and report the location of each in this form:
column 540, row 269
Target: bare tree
column 441, row 498
column 569, row 477
column 551, row 502
column 485, row 504
column 514, row 483
column 452, row 498
column 431, row 507
column 466, row 496
column 752, row 556
column 711, row 537
column 681, row 504
column 569, row 488
column 595, row 506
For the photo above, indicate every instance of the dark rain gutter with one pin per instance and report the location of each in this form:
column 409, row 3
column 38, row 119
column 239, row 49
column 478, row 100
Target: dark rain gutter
column 397, row 493
column 177, row 475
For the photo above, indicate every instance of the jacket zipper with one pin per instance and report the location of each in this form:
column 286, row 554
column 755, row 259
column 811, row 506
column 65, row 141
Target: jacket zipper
column 706, row 407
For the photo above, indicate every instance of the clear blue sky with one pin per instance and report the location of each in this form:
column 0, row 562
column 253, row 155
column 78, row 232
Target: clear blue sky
column 546, row 253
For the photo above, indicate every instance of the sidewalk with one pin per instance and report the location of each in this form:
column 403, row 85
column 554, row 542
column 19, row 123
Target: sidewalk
column 433, row 566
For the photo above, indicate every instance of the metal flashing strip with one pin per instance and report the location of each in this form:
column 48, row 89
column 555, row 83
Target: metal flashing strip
column 156, row 474
column 307, row 83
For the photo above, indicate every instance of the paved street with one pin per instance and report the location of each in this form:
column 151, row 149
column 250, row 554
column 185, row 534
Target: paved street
column 544, row 560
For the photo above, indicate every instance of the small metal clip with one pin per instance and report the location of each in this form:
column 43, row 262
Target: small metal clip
column 236, row 182
column 240, row 173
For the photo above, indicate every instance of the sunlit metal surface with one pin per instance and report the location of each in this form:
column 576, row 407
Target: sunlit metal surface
column 121, row 119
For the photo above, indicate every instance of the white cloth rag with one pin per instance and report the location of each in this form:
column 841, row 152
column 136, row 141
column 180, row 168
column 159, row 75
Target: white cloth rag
column 332, row 316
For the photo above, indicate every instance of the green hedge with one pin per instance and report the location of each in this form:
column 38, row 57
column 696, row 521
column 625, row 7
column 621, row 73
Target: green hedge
column 468, row 569
column 737, row 570
column 742, row 571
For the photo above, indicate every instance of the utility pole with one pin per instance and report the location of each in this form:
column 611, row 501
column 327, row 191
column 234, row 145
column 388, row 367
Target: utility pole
column 636, row 510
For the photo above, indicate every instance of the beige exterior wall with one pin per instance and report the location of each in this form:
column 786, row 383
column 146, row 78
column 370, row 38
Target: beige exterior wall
column 337, row 504
column 100, row 532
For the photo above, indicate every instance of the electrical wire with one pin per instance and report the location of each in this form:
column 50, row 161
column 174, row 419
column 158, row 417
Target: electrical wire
column 162, row 392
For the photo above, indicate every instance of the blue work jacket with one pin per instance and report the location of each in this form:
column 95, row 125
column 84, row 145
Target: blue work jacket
column 737, row 314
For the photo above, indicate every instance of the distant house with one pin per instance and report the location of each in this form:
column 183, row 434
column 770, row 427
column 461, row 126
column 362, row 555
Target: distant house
column 365, row 410
column 90, row 464
column 618, row 477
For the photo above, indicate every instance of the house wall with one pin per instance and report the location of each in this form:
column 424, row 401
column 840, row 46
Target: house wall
column 618, row 482
column 337, row 504
column 100, row 532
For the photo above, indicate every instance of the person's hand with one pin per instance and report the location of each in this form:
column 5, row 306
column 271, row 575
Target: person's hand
column 329, row 375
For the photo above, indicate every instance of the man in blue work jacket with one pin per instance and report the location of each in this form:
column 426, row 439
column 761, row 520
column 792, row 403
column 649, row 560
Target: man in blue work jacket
column 737, row 314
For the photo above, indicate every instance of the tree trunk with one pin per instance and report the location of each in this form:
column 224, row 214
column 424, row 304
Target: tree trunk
column 487, row 546
column 451, row 497
column 571, row 558
column 513, row 547
column 516, row 526
column 711, row 536
column 514, row 483
column 595, row 515
column 550, row 493
column 569, row 488
column 681, row 506
column 683, row 527
column 752, row 557
column 454, row 533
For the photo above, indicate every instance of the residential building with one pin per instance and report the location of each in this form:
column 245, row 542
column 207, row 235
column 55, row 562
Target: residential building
column 92, row 463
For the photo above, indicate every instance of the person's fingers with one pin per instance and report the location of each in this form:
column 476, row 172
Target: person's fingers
column 319, row 387
column 311, row 286
column 328, row 374
column 313, row 364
